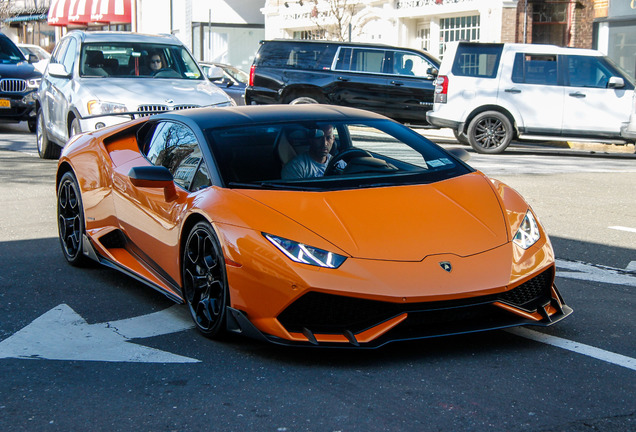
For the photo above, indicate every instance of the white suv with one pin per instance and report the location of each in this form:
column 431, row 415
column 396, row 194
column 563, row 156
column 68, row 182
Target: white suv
column 491, row 93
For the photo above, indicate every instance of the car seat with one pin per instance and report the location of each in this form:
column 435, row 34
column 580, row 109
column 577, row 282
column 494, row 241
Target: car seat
column 94, row 64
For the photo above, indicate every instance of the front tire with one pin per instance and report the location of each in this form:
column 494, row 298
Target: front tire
column 70, row 220
column 204, row 280
column 75, row 129
column 46, row 148
column 490, row 132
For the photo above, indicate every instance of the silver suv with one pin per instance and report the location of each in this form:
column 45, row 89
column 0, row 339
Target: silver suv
column 490, row 94
column 98, row 79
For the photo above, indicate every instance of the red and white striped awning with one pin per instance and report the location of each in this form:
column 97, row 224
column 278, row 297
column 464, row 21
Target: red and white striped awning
column 84, row 12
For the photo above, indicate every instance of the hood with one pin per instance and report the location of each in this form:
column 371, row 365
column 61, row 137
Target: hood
column 154, row 91
column 21, row 70
column 460, row 216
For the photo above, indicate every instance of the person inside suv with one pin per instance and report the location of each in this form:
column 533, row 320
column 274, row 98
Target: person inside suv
column 313, row 162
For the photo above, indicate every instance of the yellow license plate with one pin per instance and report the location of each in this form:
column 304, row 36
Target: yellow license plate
column 5, row 103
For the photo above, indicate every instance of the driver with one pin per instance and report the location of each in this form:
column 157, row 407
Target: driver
column 156, row 63
column 315, row 160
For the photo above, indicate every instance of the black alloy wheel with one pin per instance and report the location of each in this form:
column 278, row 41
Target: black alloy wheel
column 70, row 220
column 490, row 132
column 204, row 280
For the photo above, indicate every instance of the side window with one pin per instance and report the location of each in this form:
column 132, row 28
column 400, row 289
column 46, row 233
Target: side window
column 406, row 63
column 175, row 147
column 360, row 60
column 477, row 60
column 535, row 69
column 69, row 57
column 588, row 71
column 59, row 52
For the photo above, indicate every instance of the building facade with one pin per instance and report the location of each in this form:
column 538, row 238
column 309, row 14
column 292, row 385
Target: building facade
column 615, row 32
column 430, row 24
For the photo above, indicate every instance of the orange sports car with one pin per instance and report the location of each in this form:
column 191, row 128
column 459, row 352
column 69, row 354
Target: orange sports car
column 306, row 225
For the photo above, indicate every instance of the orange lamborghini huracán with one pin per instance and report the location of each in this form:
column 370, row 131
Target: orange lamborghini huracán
column 306, row 225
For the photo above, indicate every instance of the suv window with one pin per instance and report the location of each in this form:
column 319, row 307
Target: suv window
column 588, row 71
column 535, row 69
column 406, row 63
column 299, row 55
column 69, row 58
column 9, row 53
column 360, row 60
column 477, row 60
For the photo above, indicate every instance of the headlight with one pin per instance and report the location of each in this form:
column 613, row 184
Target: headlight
column 528, row 232
column 96, row 107
column 33, row 83
column 304, row 254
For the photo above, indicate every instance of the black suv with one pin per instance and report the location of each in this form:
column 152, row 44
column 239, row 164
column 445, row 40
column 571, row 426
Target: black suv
column 19, row 82
column 396, row 82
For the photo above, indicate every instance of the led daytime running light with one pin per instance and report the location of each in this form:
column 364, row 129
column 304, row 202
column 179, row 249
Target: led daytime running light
column 528, row 233
column 305, row 254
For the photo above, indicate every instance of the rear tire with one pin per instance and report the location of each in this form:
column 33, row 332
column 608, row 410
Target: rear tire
column 46, row 148
column 490, row 132
column 312, row 99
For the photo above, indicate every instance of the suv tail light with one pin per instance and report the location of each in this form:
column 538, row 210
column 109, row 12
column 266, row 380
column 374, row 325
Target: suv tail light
column 252, row 70
column 441, row 89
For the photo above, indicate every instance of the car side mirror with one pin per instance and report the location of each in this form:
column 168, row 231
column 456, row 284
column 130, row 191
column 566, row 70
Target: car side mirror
column 616, row 82
column 33, row 58
column 460, row 154
column 154, row 177
column 432, row 71
column 58, row 70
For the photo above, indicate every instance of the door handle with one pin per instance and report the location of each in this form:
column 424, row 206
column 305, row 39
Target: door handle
column 512, row 90
column 343, row 78
column 577, row 95
column 397, row 83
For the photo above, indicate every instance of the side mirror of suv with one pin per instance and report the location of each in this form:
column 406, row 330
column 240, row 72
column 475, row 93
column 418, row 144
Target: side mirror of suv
column 616, row 82
column 33, row 58
column 58, row 70
column 432, row 71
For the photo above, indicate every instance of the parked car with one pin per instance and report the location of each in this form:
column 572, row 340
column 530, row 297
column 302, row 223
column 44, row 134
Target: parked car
column 628, row 129
column 19, row 82
column 490, row 94
column 230, row 79
column 42, row 55
column 98, row 79
column 399, row 239
column 396, row 82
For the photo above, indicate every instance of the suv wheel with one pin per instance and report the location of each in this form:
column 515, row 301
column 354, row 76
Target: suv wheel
column 46, row 149
column 305, row 100
column 75, row 128
column 490, row 132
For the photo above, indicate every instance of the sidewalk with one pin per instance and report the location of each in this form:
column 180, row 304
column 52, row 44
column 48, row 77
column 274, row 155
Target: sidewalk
column 445, row 136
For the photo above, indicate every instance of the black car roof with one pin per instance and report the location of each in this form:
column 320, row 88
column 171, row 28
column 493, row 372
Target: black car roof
column 210, row 117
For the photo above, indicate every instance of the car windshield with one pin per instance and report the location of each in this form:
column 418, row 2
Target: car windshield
column 9, row 53
column 137, row 60
column 362, row 154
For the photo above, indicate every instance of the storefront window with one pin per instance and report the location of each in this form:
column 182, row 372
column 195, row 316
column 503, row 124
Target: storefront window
column 622, row 47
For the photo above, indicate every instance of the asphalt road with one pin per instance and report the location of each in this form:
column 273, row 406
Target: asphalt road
column 80, row 349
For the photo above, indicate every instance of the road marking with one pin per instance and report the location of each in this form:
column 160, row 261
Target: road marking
column 590, row 351
column 62, row 334
column 631, row 267
column 596, row 273
column 621, row 228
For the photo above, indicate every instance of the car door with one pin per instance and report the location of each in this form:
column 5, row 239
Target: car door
column 531, row 89
column 57, row 92
column 410, row 87
column 359, row 81
column 592, row 108
column 149, row 218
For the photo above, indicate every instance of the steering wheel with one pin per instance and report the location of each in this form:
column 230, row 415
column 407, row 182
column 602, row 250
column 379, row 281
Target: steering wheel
column 346, row 156
column 167, row 73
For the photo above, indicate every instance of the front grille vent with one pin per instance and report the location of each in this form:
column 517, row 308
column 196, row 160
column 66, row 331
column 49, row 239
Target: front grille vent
column 12, row 85
column 529, row 295
column 146, row 110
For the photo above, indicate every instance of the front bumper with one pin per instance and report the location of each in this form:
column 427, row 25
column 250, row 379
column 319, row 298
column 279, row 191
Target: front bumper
column 22, row 107
column 328, row 320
